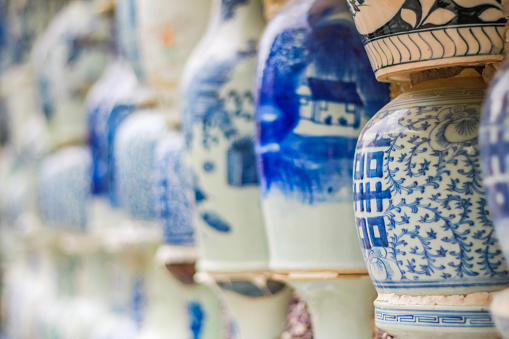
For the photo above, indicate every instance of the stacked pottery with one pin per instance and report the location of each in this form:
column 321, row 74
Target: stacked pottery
column 68, row 58
column 219, row 132
column 168, row 32
column 316, row 91
column 493, row 139
column 420, row 206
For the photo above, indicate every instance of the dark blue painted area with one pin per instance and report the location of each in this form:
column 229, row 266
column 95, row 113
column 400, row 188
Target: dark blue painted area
column 196, row 318
column 174, row 207
column 104, row 120
column 324, row 56
column 228, row 7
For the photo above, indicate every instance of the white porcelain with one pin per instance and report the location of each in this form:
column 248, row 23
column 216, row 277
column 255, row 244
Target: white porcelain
column 341, row 308
column 178, row 311
column 135, row 145
column 402, row 37
column 309, row 116
column 64, row 189
column 257, row 317
column 219, row 129
column 168, row 32
column 68, row 58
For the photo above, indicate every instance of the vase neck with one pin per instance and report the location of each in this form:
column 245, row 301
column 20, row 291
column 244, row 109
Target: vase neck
column 242, row 14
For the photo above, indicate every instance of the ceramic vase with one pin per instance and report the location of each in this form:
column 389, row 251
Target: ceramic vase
column 135, row 145
column 219, row 132
column 493, row 140
column 63, row 192
column 421, row 213
column 168, row 33
column 68, row 58
column 179, row 311
column 258, row 306
column 402, row 36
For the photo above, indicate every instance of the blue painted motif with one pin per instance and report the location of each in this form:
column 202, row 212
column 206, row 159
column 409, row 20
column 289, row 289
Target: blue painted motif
column 138, row 301
column 174, row 192
column 423, row 220
column 196, row 318
column 215, row 111
column 494, row 143
column 127, row 34
column 434, row 318
column 316, row 90
column 228, row 7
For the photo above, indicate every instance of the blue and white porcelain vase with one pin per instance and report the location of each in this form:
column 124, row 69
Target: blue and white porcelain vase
column 219, row 130
column 494, row 144
column 68, row 59
column 135, row 145
column 63, row 192
column 415, row 35
column 316, row 90
column 168, row 31
column 422, row 215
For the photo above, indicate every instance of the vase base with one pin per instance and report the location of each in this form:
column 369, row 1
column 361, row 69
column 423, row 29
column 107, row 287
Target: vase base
column 419, row 317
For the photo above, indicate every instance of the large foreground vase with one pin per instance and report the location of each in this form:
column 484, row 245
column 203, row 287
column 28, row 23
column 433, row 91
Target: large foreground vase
column 421, row 213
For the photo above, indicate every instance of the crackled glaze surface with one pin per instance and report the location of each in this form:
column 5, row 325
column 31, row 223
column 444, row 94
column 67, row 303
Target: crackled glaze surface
column 316, row 91
column 420, row 205
column 402, row 36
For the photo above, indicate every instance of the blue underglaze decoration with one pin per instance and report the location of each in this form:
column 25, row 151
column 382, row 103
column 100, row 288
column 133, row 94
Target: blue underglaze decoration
column 103, row 122
column 494, row 143
column 434, row 318
column 174, row 192
column 127, row 34
column 421, row 210
column 196, row 317
column 213, row 111
column 138, row 301
column 315, row 91
column 228, row 7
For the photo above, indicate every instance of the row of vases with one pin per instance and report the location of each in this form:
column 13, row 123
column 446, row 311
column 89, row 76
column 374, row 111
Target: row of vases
column 283, row 187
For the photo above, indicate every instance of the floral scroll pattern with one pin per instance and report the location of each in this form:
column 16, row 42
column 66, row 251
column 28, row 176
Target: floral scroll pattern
column 430, row 222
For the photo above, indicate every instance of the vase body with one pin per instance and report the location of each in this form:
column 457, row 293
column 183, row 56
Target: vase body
column 339, row 308
column 174, row 191
column 402, row 36
column 63, row 192
column 493, row 139
column 256, row 311
column 135, row 145
column 68, row 58
column 168, row 34
column 219, row 127
column 316, row 91
column 421, row 211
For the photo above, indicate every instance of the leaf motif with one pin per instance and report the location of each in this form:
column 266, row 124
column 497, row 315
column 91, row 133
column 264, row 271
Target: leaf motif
column 440, row 16
column 214, row 221
column 409, row 16
column 475, row 3
column 426, row 7
column 491, row 14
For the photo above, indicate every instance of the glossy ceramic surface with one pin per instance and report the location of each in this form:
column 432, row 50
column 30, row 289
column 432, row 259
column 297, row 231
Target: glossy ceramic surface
column 135, row 145
column 342, row 307
column 420, row 205
column 174, row 191
column 406, row 36
column 167, row 38
column 68, row 58
column 64, row 189
column 219, row 131
column 316, row 90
